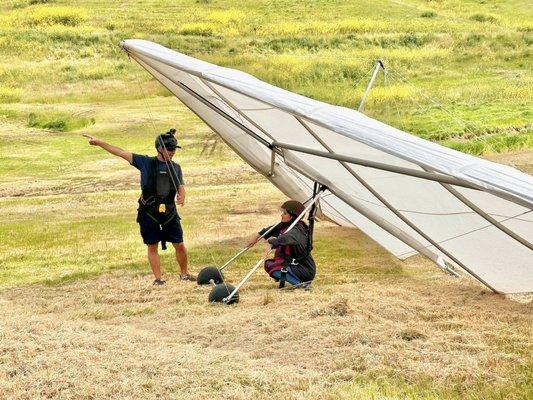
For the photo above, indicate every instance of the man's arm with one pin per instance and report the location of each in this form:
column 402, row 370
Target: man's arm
column 117, row 151
column 180, row 197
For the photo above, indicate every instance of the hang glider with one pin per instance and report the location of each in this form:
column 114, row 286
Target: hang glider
column 410, row 195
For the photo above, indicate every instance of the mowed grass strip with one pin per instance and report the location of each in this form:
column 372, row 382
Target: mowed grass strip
column 418, row 335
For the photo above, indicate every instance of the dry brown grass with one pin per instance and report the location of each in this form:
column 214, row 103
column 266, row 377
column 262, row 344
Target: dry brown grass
column 121, row 180
column 118, row 337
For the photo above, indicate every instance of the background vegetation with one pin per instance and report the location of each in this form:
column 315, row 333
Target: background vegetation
column 459, row 71
column 79, row 317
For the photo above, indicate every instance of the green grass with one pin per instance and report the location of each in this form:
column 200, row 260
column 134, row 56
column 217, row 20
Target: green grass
column 473, row 54
column 381, row 387
column 58, row 122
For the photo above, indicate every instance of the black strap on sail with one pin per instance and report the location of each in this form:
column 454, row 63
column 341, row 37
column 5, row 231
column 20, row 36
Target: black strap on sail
column 316, row 189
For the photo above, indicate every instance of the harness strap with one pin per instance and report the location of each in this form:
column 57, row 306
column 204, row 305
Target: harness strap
column 149, row 190
column 317, row 188
column 150, row 200
column 156, row 220
column 163, row 242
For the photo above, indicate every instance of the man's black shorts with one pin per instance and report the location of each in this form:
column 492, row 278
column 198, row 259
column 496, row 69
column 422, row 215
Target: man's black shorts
column 153, row 233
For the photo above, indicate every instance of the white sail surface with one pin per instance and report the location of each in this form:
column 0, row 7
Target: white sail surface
column 408, row 194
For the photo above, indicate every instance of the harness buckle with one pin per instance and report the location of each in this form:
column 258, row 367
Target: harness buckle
column 162, row 207
column 294, row 262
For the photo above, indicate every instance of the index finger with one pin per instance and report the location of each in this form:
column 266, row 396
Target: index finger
column 87, row 136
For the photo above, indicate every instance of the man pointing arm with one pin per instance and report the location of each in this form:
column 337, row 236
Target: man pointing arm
column 162, row 188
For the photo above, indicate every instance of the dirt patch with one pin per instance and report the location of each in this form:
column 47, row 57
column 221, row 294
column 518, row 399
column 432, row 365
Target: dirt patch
column 522, row 160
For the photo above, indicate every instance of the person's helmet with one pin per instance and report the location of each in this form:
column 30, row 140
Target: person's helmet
column 167, row 140
column 293, row 207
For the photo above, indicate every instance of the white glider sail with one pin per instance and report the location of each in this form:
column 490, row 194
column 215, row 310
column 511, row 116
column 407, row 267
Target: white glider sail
column 409, row 195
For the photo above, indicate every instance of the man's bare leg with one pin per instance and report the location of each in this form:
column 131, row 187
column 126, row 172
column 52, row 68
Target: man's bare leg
column 181, row 258
column 153, row 259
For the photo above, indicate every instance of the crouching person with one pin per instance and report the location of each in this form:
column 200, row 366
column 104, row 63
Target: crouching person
column 292, row 260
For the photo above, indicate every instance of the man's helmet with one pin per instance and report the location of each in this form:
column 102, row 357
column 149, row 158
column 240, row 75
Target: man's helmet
column 167, row 140
column 293, row 207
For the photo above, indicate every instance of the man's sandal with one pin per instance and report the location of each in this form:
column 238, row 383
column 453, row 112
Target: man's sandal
column 159, row 282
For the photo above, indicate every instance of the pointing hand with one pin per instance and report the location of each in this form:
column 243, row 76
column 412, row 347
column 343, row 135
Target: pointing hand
column 92, row 140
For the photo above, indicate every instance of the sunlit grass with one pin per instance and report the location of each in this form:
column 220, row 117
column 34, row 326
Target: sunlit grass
column 10, row 95
column 227, row 17
column 45, row 15
column 325, row 57
column 58, row 121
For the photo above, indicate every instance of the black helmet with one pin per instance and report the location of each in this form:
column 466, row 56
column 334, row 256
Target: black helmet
column 293, row 207
column 167, row 140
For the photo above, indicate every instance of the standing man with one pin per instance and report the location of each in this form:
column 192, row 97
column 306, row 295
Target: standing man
column 162, row 188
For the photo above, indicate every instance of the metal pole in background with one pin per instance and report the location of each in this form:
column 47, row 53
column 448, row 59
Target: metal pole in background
column 379, row 64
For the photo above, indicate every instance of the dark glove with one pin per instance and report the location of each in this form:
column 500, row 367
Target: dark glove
column 273, row 242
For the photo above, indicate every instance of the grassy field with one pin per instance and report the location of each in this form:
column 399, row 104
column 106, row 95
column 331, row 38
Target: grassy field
column 80, row 318
column 467, row 59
